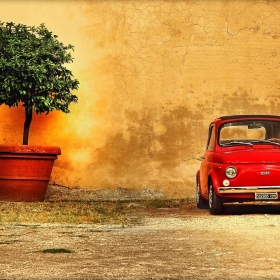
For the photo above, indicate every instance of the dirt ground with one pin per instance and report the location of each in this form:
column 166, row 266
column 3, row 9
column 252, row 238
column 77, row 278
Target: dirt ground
column 164, row 243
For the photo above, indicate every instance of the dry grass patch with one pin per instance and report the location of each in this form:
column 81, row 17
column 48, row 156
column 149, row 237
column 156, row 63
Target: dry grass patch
column 98, row 212
column 62, row 212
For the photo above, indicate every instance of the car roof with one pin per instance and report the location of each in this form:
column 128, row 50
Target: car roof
column 247, row 117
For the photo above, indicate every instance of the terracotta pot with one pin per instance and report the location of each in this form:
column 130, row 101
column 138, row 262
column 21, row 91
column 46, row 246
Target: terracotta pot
column 25, row 172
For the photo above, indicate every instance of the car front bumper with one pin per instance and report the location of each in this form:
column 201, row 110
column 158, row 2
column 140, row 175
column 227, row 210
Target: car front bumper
column 249, row 189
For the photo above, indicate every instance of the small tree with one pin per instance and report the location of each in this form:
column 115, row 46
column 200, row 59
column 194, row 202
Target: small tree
column 32, row 71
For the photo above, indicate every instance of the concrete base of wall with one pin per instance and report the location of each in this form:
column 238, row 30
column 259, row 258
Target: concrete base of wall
column 63, row 193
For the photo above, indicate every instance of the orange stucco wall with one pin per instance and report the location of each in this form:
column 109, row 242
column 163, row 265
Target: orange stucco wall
column 153, row 74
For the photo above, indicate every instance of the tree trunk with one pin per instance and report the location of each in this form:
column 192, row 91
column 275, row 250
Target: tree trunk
column 27, row 122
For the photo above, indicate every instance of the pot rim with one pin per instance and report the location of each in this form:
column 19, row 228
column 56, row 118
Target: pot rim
column 30, row 149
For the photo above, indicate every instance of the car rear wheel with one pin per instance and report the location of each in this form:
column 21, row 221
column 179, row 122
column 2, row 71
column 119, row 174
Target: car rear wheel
column 215, row 203
column 200, row 201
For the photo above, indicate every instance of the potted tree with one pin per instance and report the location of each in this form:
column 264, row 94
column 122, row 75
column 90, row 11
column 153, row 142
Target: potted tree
column 32, row 74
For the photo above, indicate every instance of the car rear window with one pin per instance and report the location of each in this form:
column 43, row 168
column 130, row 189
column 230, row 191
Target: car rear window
column 248, row 130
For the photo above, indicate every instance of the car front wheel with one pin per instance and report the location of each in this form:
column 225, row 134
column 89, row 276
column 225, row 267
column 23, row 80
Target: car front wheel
column 215, row 203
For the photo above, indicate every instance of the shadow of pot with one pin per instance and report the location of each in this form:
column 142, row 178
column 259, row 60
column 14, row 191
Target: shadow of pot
column 25, row 172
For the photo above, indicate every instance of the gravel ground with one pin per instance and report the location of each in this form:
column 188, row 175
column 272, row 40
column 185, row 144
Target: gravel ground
column 179, row 243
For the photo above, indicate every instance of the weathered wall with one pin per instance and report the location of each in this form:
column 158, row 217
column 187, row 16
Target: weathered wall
column 153, row 75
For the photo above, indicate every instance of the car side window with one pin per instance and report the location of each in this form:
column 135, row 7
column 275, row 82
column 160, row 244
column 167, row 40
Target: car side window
column 211, row 139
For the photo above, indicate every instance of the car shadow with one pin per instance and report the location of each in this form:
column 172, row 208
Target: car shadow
column 243, row 209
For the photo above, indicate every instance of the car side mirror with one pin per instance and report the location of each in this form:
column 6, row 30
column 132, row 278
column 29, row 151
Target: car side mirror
column 201, row 158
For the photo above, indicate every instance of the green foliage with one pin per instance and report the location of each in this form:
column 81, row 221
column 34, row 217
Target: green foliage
column 32, row 69
column 57, row 250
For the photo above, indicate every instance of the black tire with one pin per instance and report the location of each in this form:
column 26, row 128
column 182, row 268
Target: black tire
column 201, row 203
column 215, row 203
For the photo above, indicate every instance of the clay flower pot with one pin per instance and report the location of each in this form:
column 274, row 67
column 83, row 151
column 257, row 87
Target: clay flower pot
column 25, row 172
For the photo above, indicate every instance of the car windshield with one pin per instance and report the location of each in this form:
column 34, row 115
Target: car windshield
column 249, row 132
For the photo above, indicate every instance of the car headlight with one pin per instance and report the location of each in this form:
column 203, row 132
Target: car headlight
column 231, row 172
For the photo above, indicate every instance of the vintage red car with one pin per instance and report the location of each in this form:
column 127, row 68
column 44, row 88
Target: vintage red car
column 241, row 162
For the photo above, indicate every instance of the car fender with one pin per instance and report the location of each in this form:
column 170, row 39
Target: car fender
column 203, row 189
column 214, row 177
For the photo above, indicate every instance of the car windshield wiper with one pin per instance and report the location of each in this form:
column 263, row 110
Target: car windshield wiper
column 233, row 143
column 265, row 142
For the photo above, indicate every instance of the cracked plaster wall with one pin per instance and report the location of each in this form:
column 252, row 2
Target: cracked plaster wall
column 153, row 75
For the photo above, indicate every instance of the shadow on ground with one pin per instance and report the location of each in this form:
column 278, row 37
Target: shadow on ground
column 245, row 209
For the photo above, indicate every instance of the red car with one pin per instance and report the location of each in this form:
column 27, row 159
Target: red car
column 241, row 162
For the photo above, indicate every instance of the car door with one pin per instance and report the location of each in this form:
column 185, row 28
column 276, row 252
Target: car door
column 206, row 161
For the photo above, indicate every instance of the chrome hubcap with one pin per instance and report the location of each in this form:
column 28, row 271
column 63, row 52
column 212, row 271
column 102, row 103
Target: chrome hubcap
column 210, row 196
column 197, row 193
